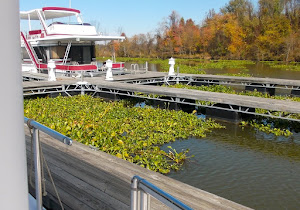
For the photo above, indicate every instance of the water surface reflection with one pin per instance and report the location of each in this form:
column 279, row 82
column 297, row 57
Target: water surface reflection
column 255, row 169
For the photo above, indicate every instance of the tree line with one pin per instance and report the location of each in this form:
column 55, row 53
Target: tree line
column 241, row 30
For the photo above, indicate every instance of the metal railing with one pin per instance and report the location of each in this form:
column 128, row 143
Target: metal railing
column 141, row 190
column 36, row 127
column 134, row 68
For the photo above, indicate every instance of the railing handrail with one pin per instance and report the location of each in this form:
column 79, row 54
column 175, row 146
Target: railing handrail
column 49, row 131
column 150, row 189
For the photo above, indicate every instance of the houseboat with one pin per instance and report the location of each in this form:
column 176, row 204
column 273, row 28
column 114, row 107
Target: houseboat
column 62, row 37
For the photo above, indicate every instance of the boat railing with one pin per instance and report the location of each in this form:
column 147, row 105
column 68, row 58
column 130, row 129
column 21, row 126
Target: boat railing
column 36, row 127
column 134, row 68
column 141, row 190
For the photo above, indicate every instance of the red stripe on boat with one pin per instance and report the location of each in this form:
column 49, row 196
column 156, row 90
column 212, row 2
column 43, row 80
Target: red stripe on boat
column 77, row 67
column 61, row 8
column 117, row 65
column 35, row 32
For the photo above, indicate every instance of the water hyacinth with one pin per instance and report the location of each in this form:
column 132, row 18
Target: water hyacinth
column 269, row 126
column 132, row 133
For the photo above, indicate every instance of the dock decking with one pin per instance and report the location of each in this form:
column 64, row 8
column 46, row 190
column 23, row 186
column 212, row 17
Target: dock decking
column 98, row 85
column 89, row 179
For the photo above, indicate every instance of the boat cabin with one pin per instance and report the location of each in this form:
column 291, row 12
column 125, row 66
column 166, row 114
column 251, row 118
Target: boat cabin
column 62, row 37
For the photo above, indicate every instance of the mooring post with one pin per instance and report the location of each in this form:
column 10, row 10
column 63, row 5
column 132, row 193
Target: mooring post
column 171, row 69
column 51, row 74
column 109, row 75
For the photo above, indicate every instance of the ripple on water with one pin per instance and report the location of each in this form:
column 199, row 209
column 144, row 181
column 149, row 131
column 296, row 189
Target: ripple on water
column 262, row 172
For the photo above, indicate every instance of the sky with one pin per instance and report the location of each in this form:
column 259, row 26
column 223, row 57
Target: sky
column 132, row 16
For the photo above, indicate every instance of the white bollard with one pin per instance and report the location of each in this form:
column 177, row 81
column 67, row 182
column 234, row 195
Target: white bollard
column 171, row 69
column 109, row 75
column 51, row 74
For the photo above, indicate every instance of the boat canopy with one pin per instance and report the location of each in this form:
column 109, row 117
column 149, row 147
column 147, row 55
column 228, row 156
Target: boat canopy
column 49, row 13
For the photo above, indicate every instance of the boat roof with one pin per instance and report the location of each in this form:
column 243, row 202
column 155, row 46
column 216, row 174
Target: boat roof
column 49, row 13
column 78, row 38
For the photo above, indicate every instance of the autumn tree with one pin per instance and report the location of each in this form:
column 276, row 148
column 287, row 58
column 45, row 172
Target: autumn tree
column 238, row 31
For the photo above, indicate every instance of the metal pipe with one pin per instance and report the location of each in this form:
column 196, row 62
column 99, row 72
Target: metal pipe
column 134, row 194
column 13, row 178
column 50, row 132
column 159, row 194
column 37, row 169
column 144, row 200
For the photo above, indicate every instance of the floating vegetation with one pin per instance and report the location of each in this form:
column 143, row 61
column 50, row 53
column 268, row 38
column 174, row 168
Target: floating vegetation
column 190, row 66
column 132, row 133
column 293, row 66
column 270, row 126
column 266, row 127
column 229, row 90
column 242, row 74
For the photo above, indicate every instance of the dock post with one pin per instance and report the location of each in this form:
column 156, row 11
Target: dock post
column 109, row 75
column 171, row 69
column 37, row 169
column 13, row 178
column 134, row 194
column 146, row 66
column 51, row 74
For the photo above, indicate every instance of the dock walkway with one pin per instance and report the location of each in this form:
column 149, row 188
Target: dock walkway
column 98, row 85
column 90, row 179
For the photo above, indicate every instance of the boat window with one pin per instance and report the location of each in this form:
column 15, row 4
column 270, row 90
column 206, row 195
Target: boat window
column 57, row 52
column 58, row 23
column 72, row 20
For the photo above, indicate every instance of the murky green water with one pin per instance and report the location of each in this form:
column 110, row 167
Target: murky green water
column 255, row 70
column 259, row 70
column 258, row 170
column 252, row 168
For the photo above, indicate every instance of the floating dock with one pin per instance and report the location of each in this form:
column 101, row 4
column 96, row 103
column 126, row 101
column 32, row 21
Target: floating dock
column 124, row 87
column 90, row 179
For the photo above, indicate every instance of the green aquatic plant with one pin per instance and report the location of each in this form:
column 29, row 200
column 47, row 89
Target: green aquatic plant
column 190, row 66
column 276, row 128
column 242, row 74
column 293, row 66
column 131, row 133
column 266, row 127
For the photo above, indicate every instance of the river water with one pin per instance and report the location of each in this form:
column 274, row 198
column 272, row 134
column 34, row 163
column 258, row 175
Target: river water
column 255, row 70
column 252, row 168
